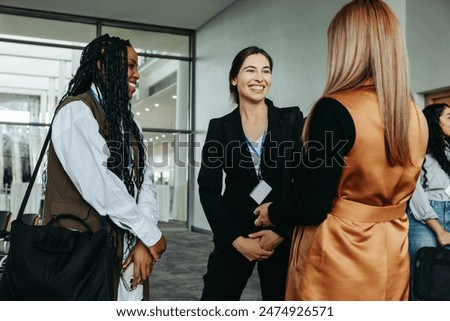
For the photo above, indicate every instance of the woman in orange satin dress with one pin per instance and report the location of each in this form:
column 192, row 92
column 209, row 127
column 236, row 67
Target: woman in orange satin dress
column 365, row 143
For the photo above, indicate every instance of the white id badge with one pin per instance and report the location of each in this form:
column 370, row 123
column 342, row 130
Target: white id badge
column 447, row 190
column 260, row 191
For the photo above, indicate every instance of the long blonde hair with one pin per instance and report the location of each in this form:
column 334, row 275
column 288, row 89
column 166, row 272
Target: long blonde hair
column 365, row 41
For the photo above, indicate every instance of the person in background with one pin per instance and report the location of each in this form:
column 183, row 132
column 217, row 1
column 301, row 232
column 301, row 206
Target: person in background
column 365, row 141
column 429, row 208
column 97, row 163
column 247, row 146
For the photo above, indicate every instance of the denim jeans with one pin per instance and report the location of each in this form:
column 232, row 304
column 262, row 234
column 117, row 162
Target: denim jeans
column 421, row 235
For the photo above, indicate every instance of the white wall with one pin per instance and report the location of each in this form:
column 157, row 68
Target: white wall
column 293, row 32
column 428, row 41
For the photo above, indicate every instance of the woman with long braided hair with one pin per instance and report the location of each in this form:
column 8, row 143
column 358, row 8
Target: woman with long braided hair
column 429, row 208
column 97, row 162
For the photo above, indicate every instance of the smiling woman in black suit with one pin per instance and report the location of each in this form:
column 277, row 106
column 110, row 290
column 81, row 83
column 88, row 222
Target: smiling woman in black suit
column 253, row 145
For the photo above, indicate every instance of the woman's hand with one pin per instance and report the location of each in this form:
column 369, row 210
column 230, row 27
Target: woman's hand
column 268, row 239
column 442, row 236
column 262, row 211
column 143, row 263
column 251, row 249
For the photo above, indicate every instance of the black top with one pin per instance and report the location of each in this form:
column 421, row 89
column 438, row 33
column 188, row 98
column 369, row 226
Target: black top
column 331, row 137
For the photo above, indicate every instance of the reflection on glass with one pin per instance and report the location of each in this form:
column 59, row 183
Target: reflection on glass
column 162, row 99
column 19, row 150
column 168, row 155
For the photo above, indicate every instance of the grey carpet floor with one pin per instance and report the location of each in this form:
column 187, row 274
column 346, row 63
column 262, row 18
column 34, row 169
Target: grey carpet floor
column 178, row 276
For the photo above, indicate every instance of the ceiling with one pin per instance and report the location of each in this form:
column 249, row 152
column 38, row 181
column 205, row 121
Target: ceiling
column 186, row 14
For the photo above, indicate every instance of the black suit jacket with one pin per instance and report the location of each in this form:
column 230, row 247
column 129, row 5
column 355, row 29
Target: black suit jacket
column 230, row 211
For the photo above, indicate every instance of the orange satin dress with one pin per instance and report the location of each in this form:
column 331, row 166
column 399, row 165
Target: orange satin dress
column 360, row 251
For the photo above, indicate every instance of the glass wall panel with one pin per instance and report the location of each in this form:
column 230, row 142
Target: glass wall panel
column 162, row 99
column 38, row 58
column 44, row 30
column 149, row 42
column 168, row 154
column 19, row 150
column 40, row 71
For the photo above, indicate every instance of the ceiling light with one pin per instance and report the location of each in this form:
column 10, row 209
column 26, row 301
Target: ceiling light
column 163, row 136
column 138, row 113
column 147, row 109
column 156, row 105
column 156, row 137
column 174, row 96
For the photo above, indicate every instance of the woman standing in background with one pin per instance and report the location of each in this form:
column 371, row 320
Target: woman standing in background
column 429, row 208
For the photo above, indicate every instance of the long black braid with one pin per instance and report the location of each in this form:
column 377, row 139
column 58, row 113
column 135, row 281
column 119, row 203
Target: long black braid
column 437, row 142
column 104, row 63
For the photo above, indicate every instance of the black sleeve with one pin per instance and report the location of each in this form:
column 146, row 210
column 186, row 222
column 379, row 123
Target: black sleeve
column 285, row 229
column 331, row 137
column 209, row 180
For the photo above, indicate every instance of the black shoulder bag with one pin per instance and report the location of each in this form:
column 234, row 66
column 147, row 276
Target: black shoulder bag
column 432, row 274
column 48, row 262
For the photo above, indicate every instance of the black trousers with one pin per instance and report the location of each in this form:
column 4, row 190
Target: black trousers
column 228, row 272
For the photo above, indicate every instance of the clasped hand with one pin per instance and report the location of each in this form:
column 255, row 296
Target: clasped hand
column 262, row 213
column 258, row 246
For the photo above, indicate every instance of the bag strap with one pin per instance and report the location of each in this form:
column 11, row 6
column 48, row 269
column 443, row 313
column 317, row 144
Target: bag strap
column 70, row 217
column 33, row 177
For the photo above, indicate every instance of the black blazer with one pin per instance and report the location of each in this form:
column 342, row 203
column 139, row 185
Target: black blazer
column 230, row 213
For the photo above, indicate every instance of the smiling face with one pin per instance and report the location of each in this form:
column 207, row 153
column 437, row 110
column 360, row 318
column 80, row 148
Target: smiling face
column 444, row 122
column 133, row 74
column 254, row 79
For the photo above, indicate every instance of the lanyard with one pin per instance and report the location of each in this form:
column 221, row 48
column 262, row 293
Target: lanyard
column 255, row 155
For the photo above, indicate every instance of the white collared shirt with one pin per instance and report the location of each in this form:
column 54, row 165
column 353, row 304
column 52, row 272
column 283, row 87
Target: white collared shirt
column 437, row 182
